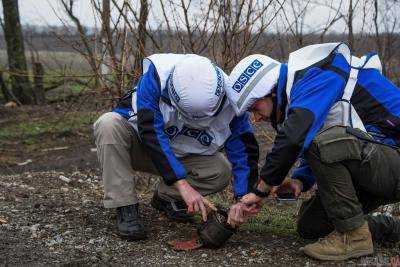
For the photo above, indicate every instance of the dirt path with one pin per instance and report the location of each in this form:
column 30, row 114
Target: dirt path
column 46, row 218
column 50, row 220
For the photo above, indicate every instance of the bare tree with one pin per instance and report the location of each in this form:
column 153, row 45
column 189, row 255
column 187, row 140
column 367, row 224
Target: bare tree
column 191, row 23
column 105, row 35
column 296, row 22
column 141, row 40
column 392, row 27
column 4, row 90
column 350, row 24
column 241, row 26
column 87, row 51
column 122, row 40
column 386, row 26
column 332, row 19
column 20, row 83
column 224, row 30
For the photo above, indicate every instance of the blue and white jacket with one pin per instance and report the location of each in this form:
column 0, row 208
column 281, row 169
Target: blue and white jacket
column 322, row 86
column 167, row 137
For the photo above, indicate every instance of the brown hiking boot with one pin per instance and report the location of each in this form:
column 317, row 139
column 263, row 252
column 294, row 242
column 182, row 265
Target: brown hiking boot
column 342, row 246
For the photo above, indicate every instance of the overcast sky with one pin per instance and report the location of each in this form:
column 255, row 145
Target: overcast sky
column 43, row 12
column 46, row 12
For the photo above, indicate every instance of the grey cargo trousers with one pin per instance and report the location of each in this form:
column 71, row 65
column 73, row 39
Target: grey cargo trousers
column 120, row 154
column 354, row 177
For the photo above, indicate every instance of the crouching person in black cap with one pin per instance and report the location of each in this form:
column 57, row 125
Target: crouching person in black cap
column 341, row 116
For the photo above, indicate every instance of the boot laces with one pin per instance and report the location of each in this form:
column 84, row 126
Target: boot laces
column 332, row 237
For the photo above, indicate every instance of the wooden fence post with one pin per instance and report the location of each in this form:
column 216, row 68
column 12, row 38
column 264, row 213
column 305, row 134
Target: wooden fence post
column 38, row 73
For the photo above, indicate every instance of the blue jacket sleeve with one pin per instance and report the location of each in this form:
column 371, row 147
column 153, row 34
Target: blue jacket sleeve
column 151, row 128
column 304, row 174
column 242, row 151
column 124, row 106
column 311, row 98
column 316, row 94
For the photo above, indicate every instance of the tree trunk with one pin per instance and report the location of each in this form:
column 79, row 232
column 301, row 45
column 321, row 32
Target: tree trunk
column 6, row 94
column 140, row 52
column 379, row 45
column 105, row 39
column 38, row 92
column 20, row 83
column 350, row 25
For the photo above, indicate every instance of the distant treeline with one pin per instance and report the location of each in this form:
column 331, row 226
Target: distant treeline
column 57, row 39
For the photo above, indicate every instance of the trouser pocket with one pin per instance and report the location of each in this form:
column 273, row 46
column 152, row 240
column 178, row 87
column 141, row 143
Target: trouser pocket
column 336, row 145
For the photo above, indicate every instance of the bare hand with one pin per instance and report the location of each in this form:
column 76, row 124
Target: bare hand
column 297, row 187
column 239, row 213
column 193, row 199
column 251, row 199
column 293, row 185
column 274, row 192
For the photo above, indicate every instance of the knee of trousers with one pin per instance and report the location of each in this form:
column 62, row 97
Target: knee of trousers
column 108, row 129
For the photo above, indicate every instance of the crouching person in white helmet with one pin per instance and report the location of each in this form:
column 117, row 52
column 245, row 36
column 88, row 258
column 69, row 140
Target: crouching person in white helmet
column 342, row 117
column 174, row 124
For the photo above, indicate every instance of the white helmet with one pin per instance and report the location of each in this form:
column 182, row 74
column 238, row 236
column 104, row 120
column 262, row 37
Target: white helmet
column 196, row 87
column 252, row 78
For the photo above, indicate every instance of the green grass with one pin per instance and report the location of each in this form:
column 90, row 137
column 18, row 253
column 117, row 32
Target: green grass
column 77, row 88
column 31, row 130
column 277, row 219
column 274, row 219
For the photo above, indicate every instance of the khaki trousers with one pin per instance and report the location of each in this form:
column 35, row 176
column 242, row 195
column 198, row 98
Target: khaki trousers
column 120, row 154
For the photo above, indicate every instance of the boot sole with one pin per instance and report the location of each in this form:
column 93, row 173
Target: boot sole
column 337, row 258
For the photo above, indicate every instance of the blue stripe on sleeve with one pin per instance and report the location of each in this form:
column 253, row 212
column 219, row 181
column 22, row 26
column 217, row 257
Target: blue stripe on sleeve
column 124, row 112
column 382, row 89
column 304, row 174
column 236, row 153
column 148, row 96
column 317, row 92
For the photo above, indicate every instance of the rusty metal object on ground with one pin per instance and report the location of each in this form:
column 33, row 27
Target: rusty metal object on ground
column 186, row 245
column 215, row 231
column 211, row 234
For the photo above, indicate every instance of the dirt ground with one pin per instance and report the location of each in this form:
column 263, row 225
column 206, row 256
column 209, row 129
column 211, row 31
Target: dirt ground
column 51, row 210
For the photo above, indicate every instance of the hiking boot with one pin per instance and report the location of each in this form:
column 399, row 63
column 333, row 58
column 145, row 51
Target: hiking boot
column 385, row 228
column 129, row 223
column 174, row 210
column 392, row 234
column 342, row 246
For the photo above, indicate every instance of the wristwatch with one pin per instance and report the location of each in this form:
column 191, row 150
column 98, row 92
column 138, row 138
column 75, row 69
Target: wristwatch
column 260, row 193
